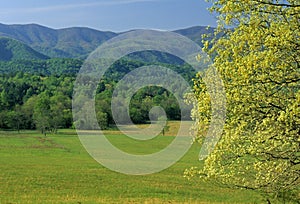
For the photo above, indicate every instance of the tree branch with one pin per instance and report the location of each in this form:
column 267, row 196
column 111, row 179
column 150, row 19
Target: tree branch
column 279, row 5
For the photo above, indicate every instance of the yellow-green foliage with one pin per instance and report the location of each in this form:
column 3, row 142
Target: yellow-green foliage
column 258, row 60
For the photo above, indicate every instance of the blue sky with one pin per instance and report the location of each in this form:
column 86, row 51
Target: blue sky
column 113, row 15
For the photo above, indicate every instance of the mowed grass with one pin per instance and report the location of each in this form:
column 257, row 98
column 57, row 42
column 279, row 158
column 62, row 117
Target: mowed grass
column 57, row 169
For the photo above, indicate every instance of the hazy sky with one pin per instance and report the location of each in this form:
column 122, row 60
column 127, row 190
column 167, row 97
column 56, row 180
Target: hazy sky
column 114, row 15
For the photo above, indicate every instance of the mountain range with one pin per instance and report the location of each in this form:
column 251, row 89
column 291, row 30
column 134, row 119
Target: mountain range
column 33, row 41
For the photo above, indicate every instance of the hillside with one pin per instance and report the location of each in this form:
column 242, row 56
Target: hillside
column 195, row 33
column 73, row 42
column 61, row 43
column 14, row 50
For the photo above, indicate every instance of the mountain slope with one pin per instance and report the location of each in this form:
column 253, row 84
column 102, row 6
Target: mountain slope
column 14, row 50
column 73, row 42
column 69, row 42
column 195, row 33
column 81, row 41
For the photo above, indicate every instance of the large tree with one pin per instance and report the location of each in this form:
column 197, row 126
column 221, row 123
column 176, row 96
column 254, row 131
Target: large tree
column 258, row 58
column 60, row 111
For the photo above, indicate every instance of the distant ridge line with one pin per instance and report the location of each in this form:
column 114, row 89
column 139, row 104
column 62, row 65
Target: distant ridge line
column 73, row 42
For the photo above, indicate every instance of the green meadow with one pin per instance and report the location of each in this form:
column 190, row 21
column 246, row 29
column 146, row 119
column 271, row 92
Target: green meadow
column 57, row 169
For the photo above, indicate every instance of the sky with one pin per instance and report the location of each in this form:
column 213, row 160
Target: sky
column 108, row 15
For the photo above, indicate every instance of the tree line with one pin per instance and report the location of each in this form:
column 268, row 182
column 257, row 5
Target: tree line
column 43, row 99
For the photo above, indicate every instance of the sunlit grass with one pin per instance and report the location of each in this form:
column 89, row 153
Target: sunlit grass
column 57, row 169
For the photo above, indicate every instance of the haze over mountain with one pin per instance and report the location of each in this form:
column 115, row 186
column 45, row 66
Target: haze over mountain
column 76, row 42
column 68, row 43
column 195, row 33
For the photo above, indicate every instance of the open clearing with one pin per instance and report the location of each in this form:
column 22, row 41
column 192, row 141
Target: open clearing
column 57, row 169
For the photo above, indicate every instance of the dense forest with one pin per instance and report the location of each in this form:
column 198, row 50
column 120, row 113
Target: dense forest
column 38, row 66
column 37, row 94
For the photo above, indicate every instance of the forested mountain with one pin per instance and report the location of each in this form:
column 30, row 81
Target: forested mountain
column 195, row 33
column 73, row 42
column 60, row 43
column 36, row 90
column 15, row 50
column 55, row 66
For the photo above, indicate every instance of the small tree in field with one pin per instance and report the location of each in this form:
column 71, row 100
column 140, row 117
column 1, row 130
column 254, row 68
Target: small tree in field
column 42, row 114
column 258, row 60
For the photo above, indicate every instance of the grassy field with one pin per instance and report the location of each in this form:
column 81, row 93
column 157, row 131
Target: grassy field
column 57, row 169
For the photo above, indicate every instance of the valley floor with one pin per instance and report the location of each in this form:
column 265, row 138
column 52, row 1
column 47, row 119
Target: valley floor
column 57, row 169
